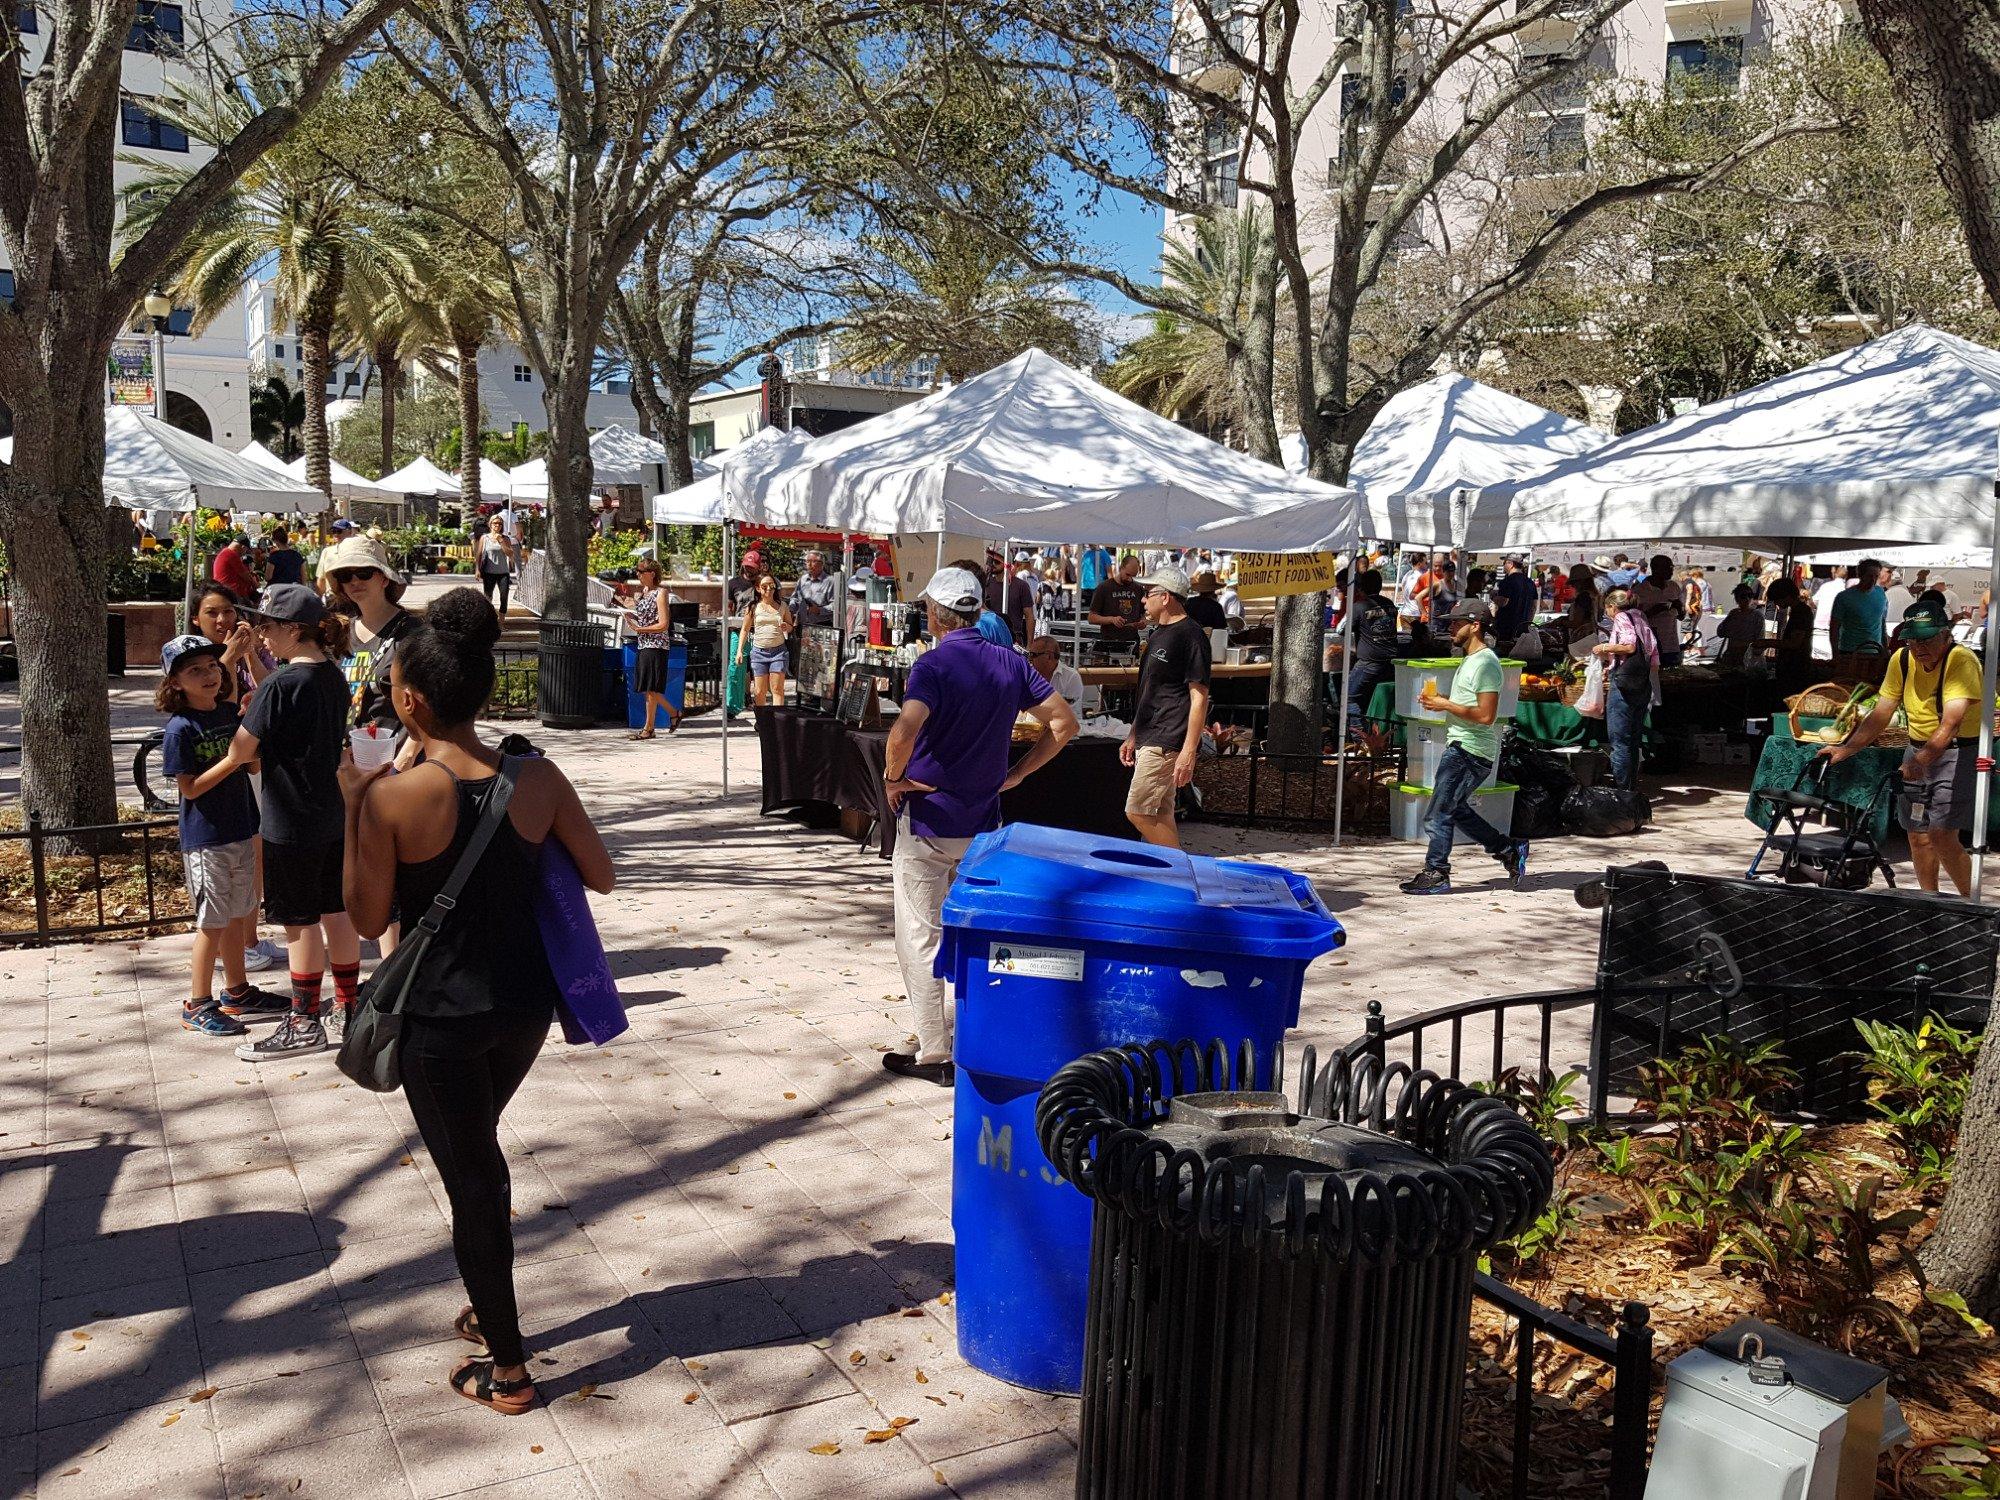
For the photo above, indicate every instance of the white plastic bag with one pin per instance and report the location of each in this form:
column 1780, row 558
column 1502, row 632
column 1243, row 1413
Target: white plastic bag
column 1591, row 704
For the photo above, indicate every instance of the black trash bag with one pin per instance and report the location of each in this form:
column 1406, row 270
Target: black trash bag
column 1602, row 812
column 1525, row 766
column 1538, row 812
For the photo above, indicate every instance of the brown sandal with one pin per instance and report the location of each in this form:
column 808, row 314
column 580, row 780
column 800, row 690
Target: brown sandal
column 466, row 1326
column 510, row 1398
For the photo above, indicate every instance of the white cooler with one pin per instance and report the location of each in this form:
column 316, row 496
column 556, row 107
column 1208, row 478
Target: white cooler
column 1425, row 743
column 1412, row 674
column 1409, row 805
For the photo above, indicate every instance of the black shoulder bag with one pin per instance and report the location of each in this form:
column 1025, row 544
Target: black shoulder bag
column 372, row 1051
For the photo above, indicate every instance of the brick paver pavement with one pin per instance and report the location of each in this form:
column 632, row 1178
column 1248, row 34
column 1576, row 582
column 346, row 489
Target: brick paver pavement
column 733, row 1227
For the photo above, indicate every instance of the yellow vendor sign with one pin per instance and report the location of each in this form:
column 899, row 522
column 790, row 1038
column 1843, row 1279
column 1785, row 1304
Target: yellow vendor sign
column 1274, row 575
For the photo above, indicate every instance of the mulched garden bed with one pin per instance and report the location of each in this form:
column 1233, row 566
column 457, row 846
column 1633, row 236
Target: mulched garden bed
column 1948, row 1386
column 86, row 891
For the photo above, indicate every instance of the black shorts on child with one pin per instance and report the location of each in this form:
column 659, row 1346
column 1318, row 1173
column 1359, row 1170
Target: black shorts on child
column 302, row 882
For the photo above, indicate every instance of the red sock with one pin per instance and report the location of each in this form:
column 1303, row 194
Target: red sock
column 305, row 994
column 346, row 983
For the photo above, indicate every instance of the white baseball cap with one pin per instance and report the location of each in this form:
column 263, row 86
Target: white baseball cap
column 954, row 589
column 1167, row 577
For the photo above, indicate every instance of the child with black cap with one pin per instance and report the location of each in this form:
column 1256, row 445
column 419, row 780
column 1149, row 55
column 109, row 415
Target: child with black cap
column 218, row 828
column 297, row 725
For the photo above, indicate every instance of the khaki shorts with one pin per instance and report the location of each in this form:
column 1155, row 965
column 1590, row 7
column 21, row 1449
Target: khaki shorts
column 1943, row 800
column 223, row 882
column 1152, row 794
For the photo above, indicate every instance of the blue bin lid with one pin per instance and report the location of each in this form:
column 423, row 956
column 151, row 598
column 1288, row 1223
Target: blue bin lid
column 1050, row 882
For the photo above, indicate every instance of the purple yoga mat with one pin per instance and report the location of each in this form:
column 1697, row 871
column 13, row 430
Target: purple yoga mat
column 590, row 1008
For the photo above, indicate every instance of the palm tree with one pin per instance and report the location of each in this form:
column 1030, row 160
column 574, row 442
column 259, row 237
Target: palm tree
column 319, row 242
column 945, row 293
column 470, row 301
column 1189, row 370
column 394, row 325
column 277, row 413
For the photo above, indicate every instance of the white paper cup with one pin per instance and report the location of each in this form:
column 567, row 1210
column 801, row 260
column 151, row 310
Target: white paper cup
column 371, row 750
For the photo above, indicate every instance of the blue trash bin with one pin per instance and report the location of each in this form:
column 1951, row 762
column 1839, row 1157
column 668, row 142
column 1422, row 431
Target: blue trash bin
column 1058, row 944
column 635, row 703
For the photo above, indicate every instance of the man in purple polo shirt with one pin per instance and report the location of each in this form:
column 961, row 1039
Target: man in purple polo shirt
column 945, row 768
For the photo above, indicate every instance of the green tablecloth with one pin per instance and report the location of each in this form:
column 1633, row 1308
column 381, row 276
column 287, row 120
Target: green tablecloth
column 1853, row 783
column 1535, row 723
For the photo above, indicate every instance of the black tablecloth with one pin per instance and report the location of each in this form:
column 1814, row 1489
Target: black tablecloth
column 810, row 757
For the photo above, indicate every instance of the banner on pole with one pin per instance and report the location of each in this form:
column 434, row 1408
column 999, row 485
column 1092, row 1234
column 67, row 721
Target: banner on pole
column 1277, row 575
column 130, row 370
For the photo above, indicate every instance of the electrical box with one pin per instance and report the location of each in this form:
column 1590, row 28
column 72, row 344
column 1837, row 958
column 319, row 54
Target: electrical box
column 1757, row 1413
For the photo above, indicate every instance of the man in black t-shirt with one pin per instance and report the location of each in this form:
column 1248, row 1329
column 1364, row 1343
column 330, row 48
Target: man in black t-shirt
column 1202, row 605
column 1374, row 642
column 1012, row 598
column 1118, row 604
column 1172, row 708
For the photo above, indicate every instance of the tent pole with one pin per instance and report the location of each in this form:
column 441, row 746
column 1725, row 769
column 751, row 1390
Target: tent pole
column 1982, row 799
column 728, row 654
column 187, row 600
column 840, row 609
column 1346, row 678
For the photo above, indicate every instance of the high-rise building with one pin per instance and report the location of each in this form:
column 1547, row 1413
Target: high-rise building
column 207, row 374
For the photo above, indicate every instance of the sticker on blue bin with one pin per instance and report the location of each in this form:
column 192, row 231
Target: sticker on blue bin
column 1035, row 963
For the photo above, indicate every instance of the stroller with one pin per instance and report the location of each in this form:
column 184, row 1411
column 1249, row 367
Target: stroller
column 1841, row 853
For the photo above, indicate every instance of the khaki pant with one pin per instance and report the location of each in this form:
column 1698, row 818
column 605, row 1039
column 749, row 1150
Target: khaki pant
column 921, row 872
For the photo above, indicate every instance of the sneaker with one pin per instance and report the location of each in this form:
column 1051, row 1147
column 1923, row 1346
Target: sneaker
column 259, row 1005
column 1427, row 882
column 257, row 961
column 210, row 1021
column 334, row 1020
column 905, row 1065
column 276, row 952
column 1515, row 863
column 292, row 1037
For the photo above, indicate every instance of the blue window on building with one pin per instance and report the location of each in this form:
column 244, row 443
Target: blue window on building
column 156, row 28
column 180, row 322
column 144, row 128
column 6, row 288
column 277, row 351
column 1716, row 62
column 26, row 21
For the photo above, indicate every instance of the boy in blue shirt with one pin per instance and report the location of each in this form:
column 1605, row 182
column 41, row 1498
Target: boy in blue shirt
column 218, row 828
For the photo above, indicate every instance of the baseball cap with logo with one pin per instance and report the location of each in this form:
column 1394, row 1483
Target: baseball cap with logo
column 183, row 649
column 293, row 603
column 955, row 589
column 1925, row 621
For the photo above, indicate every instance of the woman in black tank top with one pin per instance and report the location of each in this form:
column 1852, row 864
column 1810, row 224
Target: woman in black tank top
column 480, row 1006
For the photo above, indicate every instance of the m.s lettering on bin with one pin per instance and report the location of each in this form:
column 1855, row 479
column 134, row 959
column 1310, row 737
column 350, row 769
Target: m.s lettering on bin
column 996, row 1151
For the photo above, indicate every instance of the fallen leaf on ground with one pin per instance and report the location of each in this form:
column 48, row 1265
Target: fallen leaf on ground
column 694, row 1364
column 75, row 1469
column 824, row 1450
column 204, row 1393
column 913, row 1312
column 939, row 1399
column 922, row 1378
column 690, row 1398
column 170, row 1418
column 857, row 1358
column 584, row 1392
column 790, row 1095
column 82, row 1336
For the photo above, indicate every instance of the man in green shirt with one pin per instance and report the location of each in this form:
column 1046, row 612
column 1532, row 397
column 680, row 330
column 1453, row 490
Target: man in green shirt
column 1472, row 745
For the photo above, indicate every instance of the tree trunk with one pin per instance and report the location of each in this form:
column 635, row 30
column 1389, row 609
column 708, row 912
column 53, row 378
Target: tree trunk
column 1945, row 58
column 316, row 350
column 1298, row 644
column 571, row 491
column 674, row 437
column 466, row 347
column 52, row 502
column 389, row 366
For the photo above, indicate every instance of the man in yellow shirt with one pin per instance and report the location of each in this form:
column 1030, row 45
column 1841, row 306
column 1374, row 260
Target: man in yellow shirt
column 1937, row 685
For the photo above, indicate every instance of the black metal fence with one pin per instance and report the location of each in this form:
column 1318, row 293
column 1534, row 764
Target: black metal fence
column 1297, row 791
column 1498, row 1033
column 516, row 672
column 1628, row 1350
column 65, row 898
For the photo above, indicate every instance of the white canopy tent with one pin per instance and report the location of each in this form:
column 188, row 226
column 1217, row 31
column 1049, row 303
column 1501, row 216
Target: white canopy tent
column 1891, row 441
column 617, row 455
column 1439, row 438
column 257, row 453
column 149, row 463
column 347, row 485
column 1895, row 440
column 1033, row 451
column 700, row 503
column 420, row 477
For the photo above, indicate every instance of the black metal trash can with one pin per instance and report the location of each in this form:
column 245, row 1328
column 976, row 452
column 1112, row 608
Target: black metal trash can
column 1281, row 1292
column 569, row 673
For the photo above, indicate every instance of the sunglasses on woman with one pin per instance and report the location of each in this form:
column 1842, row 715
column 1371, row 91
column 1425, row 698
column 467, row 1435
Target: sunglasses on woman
column 350, row 575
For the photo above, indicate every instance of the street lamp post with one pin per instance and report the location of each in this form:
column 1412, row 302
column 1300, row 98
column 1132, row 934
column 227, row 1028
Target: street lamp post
column 159, row 310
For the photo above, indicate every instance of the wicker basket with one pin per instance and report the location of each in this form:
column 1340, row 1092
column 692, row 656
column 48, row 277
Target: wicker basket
column 1572, row 693
column 1846, row 710
column 1823, row 700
